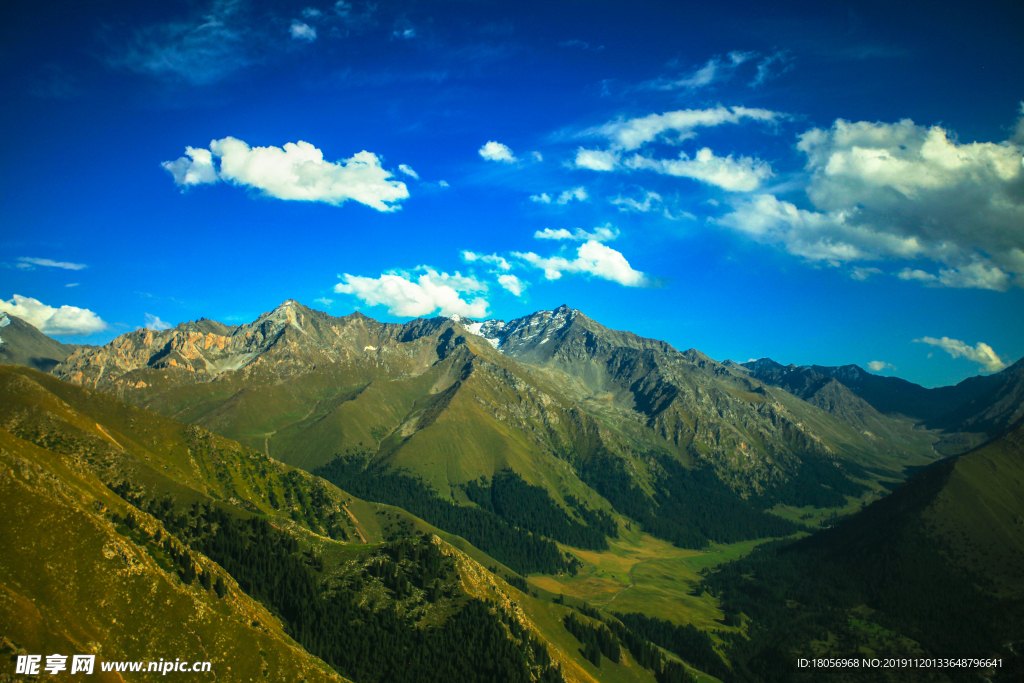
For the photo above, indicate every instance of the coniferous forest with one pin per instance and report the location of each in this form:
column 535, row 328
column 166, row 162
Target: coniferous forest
column 338, row 625
column 690, row 508
column 518, row 548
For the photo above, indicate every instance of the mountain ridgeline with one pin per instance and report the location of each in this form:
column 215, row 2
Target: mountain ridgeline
column 331, row 490
column 603, row 423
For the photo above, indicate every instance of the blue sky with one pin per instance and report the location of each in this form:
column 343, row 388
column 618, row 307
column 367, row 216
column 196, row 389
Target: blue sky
column 827, row 185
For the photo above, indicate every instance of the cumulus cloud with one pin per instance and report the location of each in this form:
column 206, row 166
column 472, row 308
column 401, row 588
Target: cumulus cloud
column 325, row 301
column 66, row 320
column 500, row 267
column 899, row 190
column 195, row 168
column 407, row 170
column 495, row 151
column 734, row 175
column 602, row 233
column 592, row 258
column 596, row 160
column 577, row 193
column 974, row 275
column 298, row 172
column 302, row 31
column 981, row 353
column 156, row 324
column 813, row 235
column 498, row 262
column 880, row 365
column 675, row 126
column 26, row 262
column 407, row 295
column 512, row 283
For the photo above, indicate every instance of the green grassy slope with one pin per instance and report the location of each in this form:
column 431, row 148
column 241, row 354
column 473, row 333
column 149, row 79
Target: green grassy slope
column 76, row 576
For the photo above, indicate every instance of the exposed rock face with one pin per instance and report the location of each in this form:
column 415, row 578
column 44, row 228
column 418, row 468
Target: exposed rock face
column 456, row 399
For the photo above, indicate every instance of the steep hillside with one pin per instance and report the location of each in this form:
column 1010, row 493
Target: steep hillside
column 834, row 397
column 134, row 537
column 934, row 569
column 961, row 416
column 23, row 344
column 601, row 421
column 709, row 411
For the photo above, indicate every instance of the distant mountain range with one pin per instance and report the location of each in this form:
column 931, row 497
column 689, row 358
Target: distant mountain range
column 965, row 415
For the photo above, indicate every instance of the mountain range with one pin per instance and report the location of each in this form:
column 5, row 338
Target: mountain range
column 534, row 447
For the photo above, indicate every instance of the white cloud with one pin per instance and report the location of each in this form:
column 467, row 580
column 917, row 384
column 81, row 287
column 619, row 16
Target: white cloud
column 537, row 156
column 981, row 353
column 977, row 275
column 596, row 160
column 495, row 151
column 66, row 320
column 576, row 193
column 498, row 261
column 512, row 284
column 311, row 13
column 28, row 261
column 202, row 50
column 501, row 268
column 716, row 69
column 156, row 324
column 407, row 170
column 582, row 44
column 770, row 67
column 651, row 202
column 602, row 233
column 916, row 274
column 404, row 33
column 593, row 258
column 302, row 31
column 926, row 194
column 880, row 365
column 297, row 172
column 734, row 175
column 408, row 297
column 196, row 168
column 858, row 273
column 814, row 235
column 71, row 284
column 631, row 134
column 443, row 183
column 325, row 301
